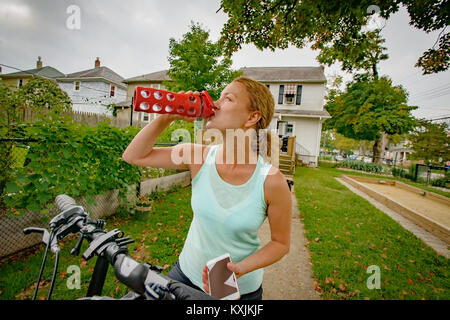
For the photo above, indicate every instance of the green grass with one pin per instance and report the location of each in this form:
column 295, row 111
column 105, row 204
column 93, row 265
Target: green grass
column 346, row 234
column 158, row 240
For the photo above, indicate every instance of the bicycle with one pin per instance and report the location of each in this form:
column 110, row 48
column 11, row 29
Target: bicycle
column 145, row 281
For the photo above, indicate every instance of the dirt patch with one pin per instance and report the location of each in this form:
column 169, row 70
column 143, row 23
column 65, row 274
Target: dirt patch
column 437, row 211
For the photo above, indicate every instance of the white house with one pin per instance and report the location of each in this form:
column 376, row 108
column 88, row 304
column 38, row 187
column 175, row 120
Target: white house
column 299, row 98
column 94, row 89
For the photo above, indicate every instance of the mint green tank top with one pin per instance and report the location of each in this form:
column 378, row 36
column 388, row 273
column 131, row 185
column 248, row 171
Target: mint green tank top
column 226, row 220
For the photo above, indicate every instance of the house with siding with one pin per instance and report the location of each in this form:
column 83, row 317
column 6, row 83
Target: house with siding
column 93, row 90
column 299, row 94
column 18, row 79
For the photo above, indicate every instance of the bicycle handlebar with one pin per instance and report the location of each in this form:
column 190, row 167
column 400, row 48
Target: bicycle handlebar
column 140, row 278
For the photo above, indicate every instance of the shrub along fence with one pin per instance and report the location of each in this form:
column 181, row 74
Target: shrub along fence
column 43, row 159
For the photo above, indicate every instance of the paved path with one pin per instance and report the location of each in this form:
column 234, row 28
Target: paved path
column 291, row 277
column 428, row 238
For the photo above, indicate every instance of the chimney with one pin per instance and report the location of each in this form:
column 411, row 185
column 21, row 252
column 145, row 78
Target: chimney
column 39, row 63
column 97, row 62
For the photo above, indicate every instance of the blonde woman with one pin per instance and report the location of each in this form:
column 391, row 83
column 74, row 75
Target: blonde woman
column 230, row 198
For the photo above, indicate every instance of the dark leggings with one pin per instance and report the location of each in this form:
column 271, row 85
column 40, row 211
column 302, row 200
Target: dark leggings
column 176, row 274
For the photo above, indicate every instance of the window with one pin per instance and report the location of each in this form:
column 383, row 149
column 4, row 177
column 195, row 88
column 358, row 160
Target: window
column 281, row 93
column 289, row 129
column 112, row 91
column 289, row 92
column 19, row 83
column 298, row 100
column 268, row 86
column 77, row 86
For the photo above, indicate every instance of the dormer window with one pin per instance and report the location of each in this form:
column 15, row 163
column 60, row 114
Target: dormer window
column 289, row 92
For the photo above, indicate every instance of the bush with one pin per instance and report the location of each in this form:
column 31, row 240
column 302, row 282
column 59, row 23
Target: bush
column 364, row 166
column 443, row 182
column 72, row 159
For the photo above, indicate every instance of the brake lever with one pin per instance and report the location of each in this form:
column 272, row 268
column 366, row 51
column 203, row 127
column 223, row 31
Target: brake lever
column 45, row 237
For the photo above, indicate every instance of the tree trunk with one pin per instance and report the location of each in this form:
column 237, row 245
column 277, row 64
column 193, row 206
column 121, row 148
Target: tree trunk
column 378, row 148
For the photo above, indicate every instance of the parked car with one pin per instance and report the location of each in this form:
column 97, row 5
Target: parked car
column 338, row 158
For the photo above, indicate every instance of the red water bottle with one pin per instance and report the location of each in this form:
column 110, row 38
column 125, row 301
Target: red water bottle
column 153, row 100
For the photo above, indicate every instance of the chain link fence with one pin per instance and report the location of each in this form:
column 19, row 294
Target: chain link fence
column 13, row 155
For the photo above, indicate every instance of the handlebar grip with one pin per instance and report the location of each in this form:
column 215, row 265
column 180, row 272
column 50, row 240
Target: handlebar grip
column 184, row 292
column 64, row 202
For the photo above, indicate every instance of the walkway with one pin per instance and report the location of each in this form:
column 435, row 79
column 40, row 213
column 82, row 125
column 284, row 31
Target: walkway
column 291, row 277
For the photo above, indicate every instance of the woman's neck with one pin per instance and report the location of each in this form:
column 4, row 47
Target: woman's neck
column 237, row 148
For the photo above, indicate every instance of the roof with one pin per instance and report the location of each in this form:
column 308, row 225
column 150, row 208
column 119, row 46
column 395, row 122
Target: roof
column 45, row 72
column 154, row 76
column 303, row 113
column 285, row 74
column 95, row 73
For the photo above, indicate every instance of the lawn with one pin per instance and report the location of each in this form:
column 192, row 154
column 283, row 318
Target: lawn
column 158, row 240
column 347, row 235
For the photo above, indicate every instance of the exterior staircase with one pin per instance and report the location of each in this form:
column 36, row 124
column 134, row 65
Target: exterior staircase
column 287, row 162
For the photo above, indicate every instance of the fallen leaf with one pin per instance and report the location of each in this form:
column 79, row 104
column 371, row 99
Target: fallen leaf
column 410, row 281
column 342, row 287
column 316, row 239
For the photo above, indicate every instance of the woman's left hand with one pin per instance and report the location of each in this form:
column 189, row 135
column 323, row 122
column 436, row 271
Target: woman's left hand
column 235, row 267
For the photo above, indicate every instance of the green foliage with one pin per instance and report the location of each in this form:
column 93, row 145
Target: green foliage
column 430, row 142
column 402, row 173
column 365, row 166
column 443, row 182
column 368, row 107
column 72, row 159
column 363, row 51
column 39, row 93
column 197, row 63
column 272, row 24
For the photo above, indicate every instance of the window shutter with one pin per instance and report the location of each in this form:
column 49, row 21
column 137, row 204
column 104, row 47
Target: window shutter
column 280, row 96
column 298, row 100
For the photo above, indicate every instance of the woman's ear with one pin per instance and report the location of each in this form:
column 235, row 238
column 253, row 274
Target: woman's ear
column 253, row 119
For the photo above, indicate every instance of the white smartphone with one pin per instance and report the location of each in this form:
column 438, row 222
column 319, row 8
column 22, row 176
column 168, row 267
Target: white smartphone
column 222, row 282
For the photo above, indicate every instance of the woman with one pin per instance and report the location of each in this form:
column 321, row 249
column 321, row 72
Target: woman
column 230, row 200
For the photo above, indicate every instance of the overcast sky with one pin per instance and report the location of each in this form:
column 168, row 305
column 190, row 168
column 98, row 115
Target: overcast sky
column 132, row 38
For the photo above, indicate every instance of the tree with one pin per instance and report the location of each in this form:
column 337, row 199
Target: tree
column 430, row 142
column 370, row 109
column 197, row 63
column 363, row 52
column 272, row 24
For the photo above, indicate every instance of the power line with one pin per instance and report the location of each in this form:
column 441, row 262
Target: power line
column 431, row 91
